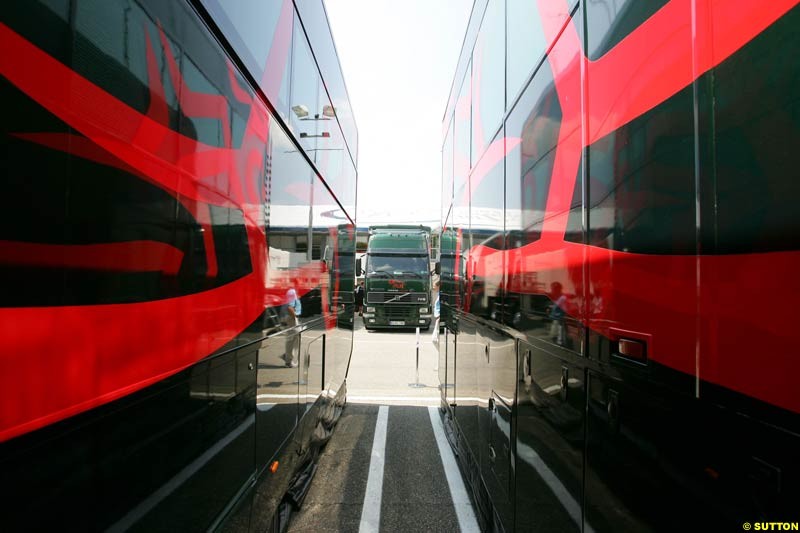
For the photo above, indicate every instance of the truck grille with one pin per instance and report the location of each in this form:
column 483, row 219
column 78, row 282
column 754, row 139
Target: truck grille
column 397, row 297
column 399, row 312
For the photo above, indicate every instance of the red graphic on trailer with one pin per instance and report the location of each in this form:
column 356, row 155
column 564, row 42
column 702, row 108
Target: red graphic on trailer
column 116, row 349
column 654, row 294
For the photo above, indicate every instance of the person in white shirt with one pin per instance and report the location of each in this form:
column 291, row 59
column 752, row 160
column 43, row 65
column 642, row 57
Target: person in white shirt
column 292, row 311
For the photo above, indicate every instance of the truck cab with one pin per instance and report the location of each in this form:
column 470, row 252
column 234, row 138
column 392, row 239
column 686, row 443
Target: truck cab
column 397, row 277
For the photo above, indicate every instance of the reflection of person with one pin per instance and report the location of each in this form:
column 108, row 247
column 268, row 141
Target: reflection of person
column 359, row 297
column 292, row 311
column 436, row 314
column 557, row 329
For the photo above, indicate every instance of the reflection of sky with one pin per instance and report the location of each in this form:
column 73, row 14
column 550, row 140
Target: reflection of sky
column 296, row 216
column 399, row 120
column 257, row 32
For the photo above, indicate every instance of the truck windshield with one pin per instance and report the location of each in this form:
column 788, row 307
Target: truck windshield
column 396, row 266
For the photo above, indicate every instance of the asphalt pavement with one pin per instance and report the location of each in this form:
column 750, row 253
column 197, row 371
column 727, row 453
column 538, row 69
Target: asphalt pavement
column 388, row 466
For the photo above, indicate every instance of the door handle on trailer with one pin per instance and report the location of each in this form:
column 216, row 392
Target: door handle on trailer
column 632, row 349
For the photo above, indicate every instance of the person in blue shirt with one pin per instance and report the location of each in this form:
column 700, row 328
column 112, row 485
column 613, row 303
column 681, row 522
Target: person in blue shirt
column 436, row 312
column 292, row 311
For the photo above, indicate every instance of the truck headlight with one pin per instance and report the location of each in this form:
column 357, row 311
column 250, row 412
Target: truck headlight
column 423, row 310
column 370, row 309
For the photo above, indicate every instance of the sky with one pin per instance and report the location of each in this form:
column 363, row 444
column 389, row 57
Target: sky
column 399, row 58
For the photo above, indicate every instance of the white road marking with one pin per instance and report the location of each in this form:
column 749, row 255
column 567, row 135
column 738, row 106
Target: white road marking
column 371, row 511
column 285, row 396
column 458, row 492
column 148, row 504
column 425, row 400
column 382, row 343
column 568, row 502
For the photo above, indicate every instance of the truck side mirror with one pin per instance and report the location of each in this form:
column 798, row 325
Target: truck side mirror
column 438, row 268
column 359, row 270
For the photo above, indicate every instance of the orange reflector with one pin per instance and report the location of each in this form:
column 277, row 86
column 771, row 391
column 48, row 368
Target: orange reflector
column 274, row 466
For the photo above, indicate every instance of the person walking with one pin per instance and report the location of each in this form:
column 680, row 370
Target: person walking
column 435, row 333
column 292, row 311
column 359, row 297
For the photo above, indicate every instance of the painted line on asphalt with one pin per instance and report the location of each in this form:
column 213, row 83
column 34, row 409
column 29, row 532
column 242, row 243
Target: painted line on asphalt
column 371, row 511
column 408, row 342
column 426, row 400
column 458, row 492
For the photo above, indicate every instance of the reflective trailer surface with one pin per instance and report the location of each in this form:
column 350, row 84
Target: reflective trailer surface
column 152, row 372
column 614, row 225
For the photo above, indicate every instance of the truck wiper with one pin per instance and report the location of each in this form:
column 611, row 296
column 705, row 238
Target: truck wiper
column 415, row 274
column 375, row 274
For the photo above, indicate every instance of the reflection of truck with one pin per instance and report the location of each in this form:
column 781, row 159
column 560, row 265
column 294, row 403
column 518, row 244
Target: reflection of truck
column 397, row 277
column 339, row 257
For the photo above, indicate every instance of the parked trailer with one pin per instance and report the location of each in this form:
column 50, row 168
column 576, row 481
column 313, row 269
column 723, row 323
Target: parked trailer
column 619, row 264
column 153, row 237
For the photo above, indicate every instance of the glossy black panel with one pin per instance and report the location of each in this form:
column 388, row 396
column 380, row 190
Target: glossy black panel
column 634, row 435
column 117, row 62
column 181, row 435
column 443, row 353
column 336, row 237
column 543, row 302
column 496, row 359
column 447, row 173
column 457, row 243
column 183, row 451
column 261, row 34
column 488, row 78
column 462, row 143
column 487, row 262
column 333, row 161
column 278, row 394
column 757, row 124
column 525, row 44
column 125, row 208
column 575, row 221
column 550, row 438
column 467, row 368
column 534, row 125
column 500, row 455
column 314, row 17
column 305, row 90
column 451, row 338
column 604, row 442
column 610, row 22
column 641, row 187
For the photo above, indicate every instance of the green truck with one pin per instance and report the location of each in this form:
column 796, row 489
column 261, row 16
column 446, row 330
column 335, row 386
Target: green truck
column 397, row 277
